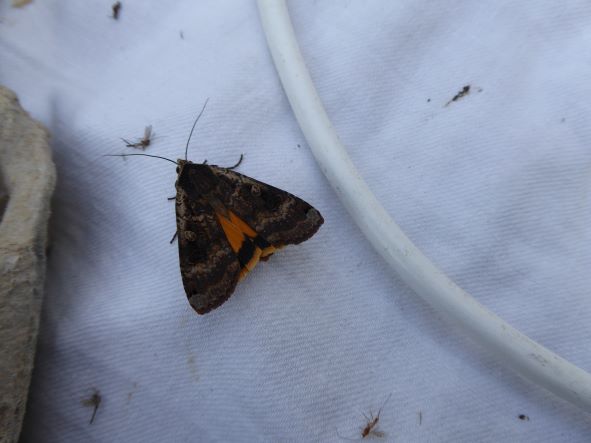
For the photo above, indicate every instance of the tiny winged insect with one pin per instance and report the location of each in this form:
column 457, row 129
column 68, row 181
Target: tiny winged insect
column 227, row 223
column 144, row 142
column 116, row 7
column 371, row 425
column 94, row 402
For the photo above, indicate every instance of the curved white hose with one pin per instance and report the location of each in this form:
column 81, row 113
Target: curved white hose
column 516, row 350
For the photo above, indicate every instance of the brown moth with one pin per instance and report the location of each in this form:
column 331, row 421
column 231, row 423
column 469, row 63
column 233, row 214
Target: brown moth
column 228, row 222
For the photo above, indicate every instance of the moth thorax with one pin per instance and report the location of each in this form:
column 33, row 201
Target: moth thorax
column 190, row 236
column 255, row 190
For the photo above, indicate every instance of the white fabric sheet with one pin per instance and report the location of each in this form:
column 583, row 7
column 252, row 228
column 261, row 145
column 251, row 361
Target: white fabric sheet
column 495, row 188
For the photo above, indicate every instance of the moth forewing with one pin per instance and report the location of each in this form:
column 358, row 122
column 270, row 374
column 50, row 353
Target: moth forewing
column 226, row 223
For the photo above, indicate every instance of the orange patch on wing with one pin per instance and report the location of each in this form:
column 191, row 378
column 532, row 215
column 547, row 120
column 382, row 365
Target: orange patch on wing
column 233, row 233
column 239, row 223
column 268, row 251
column 251, row 263
column 237, row 232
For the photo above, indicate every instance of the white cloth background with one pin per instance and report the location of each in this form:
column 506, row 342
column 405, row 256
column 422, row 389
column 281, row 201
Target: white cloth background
column 495, row 188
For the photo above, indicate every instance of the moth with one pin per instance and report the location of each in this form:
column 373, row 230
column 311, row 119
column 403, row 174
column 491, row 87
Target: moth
column 226, row 223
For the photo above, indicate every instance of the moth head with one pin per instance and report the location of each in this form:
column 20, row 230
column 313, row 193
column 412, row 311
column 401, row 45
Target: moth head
column 181, row 165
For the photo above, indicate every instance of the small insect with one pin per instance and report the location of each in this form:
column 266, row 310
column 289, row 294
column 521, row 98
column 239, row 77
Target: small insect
column 227, row 223
column 523, row 417
column 372, row 422
column 94, row 401
column 464, row 91
column 116, row 9
column 144, row 142
column 371, row 425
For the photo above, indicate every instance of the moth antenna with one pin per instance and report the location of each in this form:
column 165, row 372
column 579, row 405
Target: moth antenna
column 144, row 155
column 193, row 128
column 236, row 165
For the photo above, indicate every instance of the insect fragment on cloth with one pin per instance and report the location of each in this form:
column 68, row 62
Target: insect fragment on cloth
column 144, row 142
column 228, row 222
column 116, row 7
column 94, row 401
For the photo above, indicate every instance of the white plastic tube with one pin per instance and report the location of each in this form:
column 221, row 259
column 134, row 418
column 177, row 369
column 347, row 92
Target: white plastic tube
column 516, row 350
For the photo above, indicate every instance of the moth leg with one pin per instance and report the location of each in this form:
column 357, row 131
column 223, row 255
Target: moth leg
column 237, row 164
column 173, row 237
column 171, row 198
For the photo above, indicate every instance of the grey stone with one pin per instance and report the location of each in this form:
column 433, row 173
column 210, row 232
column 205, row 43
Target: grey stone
column 26, row 185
